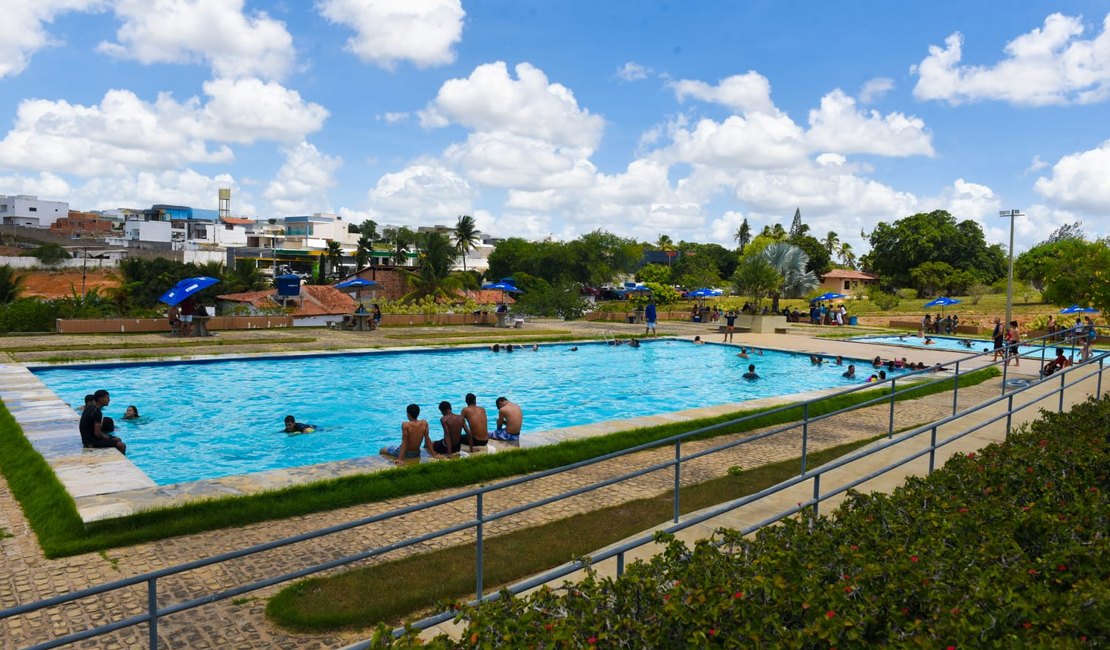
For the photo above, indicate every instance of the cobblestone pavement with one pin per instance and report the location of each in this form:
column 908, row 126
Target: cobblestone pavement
column 240, row 623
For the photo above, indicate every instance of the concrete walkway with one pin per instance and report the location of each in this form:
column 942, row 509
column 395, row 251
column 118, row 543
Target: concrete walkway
column 28, row 576
column 1036, row 398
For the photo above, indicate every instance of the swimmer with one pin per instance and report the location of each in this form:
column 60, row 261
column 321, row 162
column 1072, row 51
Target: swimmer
column 131, row 413
column 496, row 347
column 697, row 339
column 929, row 341
column 535, row 348
column 751, row 374
column 850, row 373
column 574, row 349
column 293, row 427
column 743, row 353
column 882, row 375
column 635, row 343
column 839, row 360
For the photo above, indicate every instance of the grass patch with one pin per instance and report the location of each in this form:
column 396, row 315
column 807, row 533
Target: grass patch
column 391, row 591
column 4, row 534
column 53, row 514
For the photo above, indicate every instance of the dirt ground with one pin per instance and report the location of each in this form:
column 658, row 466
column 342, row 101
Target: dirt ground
column 59, row 284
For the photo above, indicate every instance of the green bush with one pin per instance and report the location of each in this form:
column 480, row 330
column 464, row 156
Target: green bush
column 28, row 315
column 907, row 294
column 1004, row 548
column 883, row 300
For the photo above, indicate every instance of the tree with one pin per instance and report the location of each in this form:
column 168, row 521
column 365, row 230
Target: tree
column 334, row 255
column 433, row 276
column 49, row 254
column 369, row 229
column 847, row 256
column 654, row 273
column 244, row 276
column 1079, row 276
column 831, row 242
column 756, row 278
column 819, row 262
column 666, row 245
column 930, row 277
column 775, row 232
column 400, row 239
column 466, row 236
column 697, row 271
column 11, row 284
column 932, row 237
column 363, row 251
column 797, row 228
column 1065, row 232
column 790, row 262
column 743, row 234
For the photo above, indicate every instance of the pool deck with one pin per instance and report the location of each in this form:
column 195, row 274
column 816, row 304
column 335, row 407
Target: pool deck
column 51, row 426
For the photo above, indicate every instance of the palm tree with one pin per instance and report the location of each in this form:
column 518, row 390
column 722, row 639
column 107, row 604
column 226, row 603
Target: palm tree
column 743, row 235
column 756, row 277
column 433, row 276
column 790, row 261
column 466, row 236
column 401, row 238
column 334, row 255
column 666, row 244
column 831, row 242
column 11, row 284
column 362, row 253
column 847, row 257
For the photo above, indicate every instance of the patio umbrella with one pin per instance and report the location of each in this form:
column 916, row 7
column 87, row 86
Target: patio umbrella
column 1076, row 309
column 503, row 287
column 186, row 288
column 943, row 301
column 357, row 284
column 828, row 296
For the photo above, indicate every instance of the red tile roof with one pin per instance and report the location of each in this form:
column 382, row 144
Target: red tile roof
column 316, row 300
column 849, row 274
column 236, row 221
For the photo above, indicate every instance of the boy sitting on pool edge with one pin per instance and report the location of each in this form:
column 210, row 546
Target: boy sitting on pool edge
column 509, row 421
column 413, row 431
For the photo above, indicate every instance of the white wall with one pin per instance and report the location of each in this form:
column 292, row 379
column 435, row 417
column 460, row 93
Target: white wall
column 193, row 256
column 33, row 263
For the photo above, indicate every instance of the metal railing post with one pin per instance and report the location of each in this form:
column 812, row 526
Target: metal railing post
column 1009, row 414
column 480, row 544
column 1005, row 367
column 1060, row 407
column 1098, row 390
column 152, row 610
column 816, row 498
column 932, row 449
column 890, row 428
column 956, row 389
column 620, row 564
column 805, row 433
column 677, row 475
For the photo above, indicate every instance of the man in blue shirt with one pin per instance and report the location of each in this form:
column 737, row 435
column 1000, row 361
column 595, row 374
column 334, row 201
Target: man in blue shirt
column 650, row 317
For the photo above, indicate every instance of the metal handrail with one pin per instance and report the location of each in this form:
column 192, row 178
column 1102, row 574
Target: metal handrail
column 151, row 578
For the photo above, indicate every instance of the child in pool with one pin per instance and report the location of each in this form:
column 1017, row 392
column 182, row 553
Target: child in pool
column 293, row 427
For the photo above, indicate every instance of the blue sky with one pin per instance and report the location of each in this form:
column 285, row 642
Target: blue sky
column 558, row 118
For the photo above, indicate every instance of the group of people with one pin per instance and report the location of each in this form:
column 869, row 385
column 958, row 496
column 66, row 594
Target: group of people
column 375, row 314
column 820, row 314
column 97, row 430
column 469, row 428
column 938, row 325
column 1006, row 339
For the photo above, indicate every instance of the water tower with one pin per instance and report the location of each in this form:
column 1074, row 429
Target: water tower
column 225, row 202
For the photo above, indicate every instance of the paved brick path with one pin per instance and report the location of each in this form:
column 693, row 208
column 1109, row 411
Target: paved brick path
column 28, row 576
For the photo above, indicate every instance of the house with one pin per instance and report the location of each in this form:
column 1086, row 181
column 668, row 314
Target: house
column 316, row 306
column 847, row 282
column 28, row 210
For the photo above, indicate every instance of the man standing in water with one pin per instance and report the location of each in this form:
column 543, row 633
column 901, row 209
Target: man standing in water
column 509, row 420
column 475, row 424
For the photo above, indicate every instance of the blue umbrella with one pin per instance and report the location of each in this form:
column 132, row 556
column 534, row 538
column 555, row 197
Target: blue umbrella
column 943, row 301
column 828, row 296
column 186, row 288
column 1076, row 309
column 502, row 286
column 700, row 293
column 357, row 284
column 639, row 289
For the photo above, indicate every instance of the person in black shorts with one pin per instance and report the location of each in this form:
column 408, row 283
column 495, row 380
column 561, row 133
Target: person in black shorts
column 998, row 334
column 95, row 428
column 730, row 322
column 453, row 424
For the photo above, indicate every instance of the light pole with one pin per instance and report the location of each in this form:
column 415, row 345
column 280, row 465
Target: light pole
column 1011, row 215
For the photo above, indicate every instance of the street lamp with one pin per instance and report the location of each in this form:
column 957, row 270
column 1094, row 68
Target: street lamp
column 1011, row 215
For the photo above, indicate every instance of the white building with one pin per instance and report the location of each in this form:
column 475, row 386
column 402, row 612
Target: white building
column 314, row 232
column 27, row 210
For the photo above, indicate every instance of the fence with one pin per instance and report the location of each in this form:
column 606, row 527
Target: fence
column 155, row 611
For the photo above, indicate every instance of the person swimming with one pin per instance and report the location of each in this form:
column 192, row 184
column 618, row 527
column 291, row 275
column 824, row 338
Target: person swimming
column 131, row 413
column 292, row 427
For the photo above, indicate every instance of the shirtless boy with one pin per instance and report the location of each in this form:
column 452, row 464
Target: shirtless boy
column 509, row 420
column 475, row 424
column 413, row 431
column 452, row 424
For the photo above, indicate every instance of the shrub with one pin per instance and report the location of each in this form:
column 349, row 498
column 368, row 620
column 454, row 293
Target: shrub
column 883, row 300
column 28, row 315
column 906, row 294
column 1001, row 548
column 977, row 291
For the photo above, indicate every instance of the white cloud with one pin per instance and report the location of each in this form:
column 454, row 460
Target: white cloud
column 23, row 29
column 1036, row 165
column 502, row 159
column 124, row 134
column 837, row 126
column 1080, row 181
column 633, row 71
column 248, row 110
column 419, row 194
column 742, row 93
column 302, row 182
column 216, row 32
column 389, row 31
column 874, row 89
column 45, row 185
column 967, row 200
column 177, row 186
column 724, row 227
column 760, row 140
column 491, row 100
column 394, row 117
column 1048, row 65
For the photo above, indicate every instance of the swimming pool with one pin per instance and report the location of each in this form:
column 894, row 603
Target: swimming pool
column 224, row 417
column 945, row 343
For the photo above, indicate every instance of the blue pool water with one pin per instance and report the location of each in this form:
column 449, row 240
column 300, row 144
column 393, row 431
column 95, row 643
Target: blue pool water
column 219, row 418
column 944, row 343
